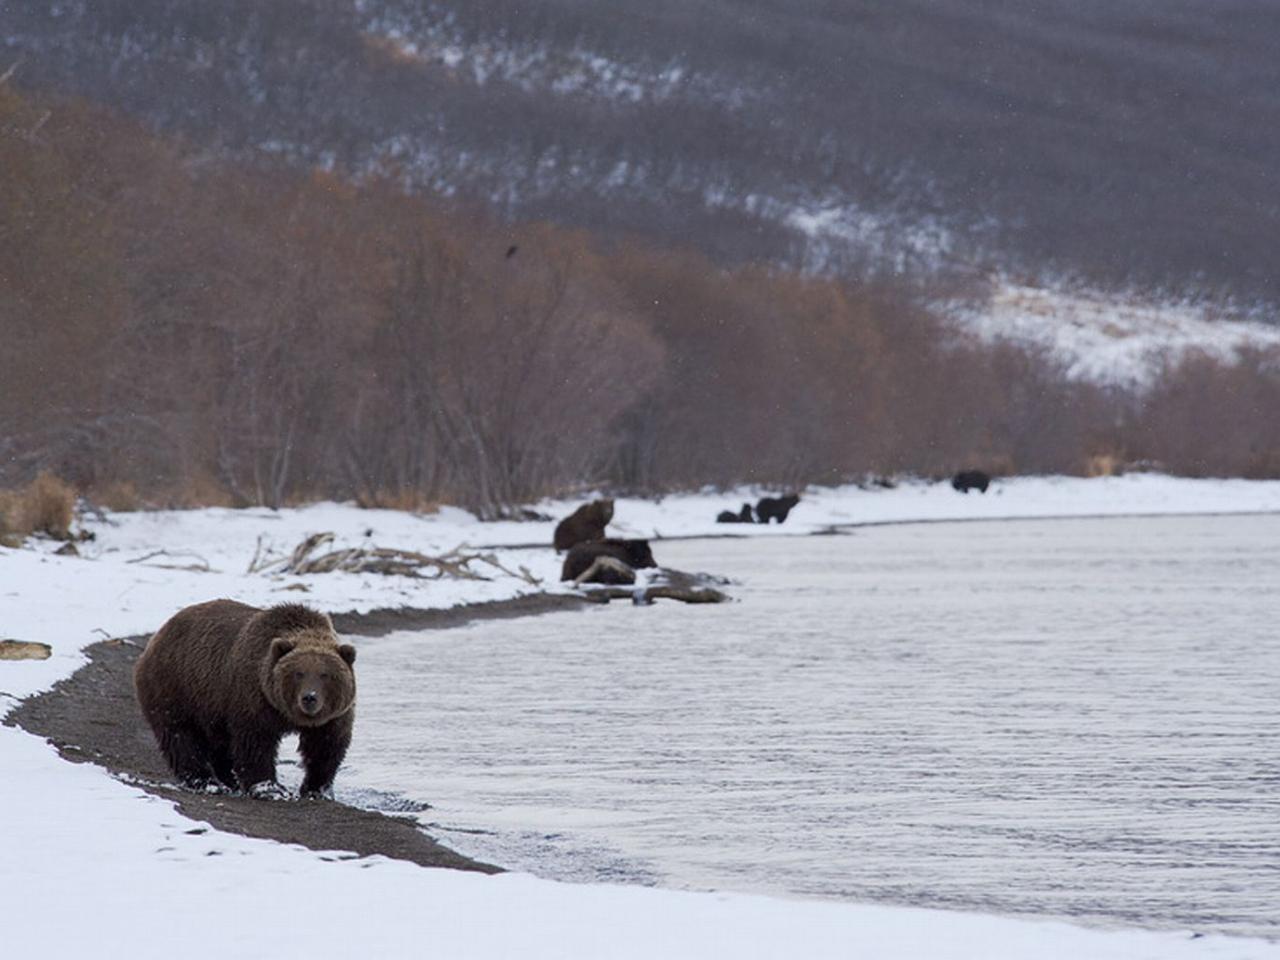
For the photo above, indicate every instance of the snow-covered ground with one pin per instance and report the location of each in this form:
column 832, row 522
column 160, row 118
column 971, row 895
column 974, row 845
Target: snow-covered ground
column 93, row 863
column 1112, row 339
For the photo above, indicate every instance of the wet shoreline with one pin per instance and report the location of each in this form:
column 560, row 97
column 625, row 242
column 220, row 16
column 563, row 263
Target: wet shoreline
column 93, row 717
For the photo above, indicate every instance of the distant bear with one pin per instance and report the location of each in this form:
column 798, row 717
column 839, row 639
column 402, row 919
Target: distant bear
column 584, row 524
column 770, row 508
column 742, row 516
column 222, row 682
column 967, row 480
column 634, row 553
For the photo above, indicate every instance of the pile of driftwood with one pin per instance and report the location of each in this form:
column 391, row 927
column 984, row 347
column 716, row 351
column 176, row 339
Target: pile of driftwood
column 457, row 564
column 24, row 650
column 665, row 584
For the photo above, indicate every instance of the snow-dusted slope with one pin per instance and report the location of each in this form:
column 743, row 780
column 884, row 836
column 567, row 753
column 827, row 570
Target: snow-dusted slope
column 1132, row 141
column 1109, row 338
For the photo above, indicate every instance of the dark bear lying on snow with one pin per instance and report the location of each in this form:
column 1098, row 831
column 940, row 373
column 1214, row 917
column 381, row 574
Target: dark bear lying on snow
column 634, row 553
column 222, row 682
column 770, row 508
column 584, row 524
column 967, row 480
column 742, row 516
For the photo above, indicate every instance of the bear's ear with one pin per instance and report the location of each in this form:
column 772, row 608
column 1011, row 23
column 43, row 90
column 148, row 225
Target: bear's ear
column 347, row 652
column 280, row 646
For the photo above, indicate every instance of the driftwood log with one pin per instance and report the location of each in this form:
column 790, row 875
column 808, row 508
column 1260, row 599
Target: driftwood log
column 24, row 650
column 606, row 570
column 663, row 585
column 456, row 564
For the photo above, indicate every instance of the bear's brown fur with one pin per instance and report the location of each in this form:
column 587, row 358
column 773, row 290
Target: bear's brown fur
column 776, row 508
column 585, row 524
column 745, row 515
column 222, row 682
column 634, row 553
column 967, row 480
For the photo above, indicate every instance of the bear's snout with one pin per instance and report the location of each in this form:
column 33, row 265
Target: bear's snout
column 313, row 684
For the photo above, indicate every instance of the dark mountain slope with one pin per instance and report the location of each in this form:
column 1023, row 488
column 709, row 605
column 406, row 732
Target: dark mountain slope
column 1122, row 141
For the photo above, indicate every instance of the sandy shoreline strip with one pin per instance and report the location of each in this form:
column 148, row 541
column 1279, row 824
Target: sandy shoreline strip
column 93, row 717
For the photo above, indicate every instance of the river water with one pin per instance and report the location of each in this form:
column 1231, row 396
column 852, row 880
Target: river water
column 1071, row 718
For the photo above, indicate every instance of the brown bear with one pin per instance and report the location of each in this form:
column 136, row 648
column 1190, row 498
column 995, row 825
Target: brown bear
column 222, row 682
column 745, row 515
column 967, row 480
column 584, row 524
column 634, row 553
column 776, row 508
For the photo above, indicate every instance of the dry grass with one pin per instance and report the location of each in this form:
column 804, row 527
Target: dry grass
column 46, row 505
column 119, row 496
column 50, row 504
column 409, row 501
column 1104, row 465
column 201, row 488
column 8, row 522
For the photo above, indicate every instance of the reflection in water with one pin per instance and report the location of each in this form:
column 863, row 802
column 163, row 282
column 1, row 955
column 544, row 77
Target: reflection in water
column 1074, row 718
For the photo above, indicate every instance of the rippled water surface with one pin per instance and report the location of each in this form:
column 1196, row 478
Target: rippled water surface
column 1077, row 718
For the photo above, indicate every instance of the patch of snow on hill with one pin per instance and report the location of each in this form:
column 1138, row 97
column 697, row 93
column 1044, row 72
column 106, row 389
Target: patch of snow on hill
column 1112, row 339
column 431, row 37
column 832, row 228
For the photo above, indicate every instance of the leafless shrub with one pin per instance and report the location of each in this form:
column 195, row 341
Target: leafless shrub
column 273, row 338
column 1206, row 417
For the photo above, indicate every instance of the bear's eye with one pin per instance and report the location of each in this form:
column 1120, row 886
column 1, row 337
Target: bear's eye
column 325, row 676
column 297, row 674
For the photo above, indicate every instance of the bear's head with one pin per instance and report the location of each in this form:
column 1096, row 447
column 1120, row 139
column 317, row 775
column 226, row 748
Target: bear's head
column 311, row 680
column 639, row 555
column 603, row 511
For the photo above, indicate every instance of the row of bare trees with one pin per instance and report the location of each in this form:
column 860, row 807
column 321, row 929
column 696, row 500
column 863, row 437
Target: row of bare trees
column 195, row 332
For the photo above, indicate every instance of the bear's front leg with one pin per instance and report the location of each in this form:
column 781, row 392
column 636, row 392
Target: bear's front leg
column 189, row 755
column 254, row 762
column 322, row 750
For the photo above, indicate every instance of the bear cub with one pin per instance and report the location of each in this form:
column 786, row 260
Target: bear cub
column 222, row 682
column 584, row 524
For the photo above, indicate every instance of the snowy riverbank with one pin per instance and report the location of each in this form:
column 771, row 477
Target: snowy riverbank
column 75, row 833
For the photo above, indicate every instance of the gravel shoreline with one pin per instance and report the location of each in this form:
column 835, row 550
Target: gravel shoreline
column 93, row 717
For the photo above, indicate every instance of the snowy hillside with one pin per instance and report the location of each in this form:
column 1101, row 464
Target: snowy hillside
column 1109, row 338
column 1123, row 142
